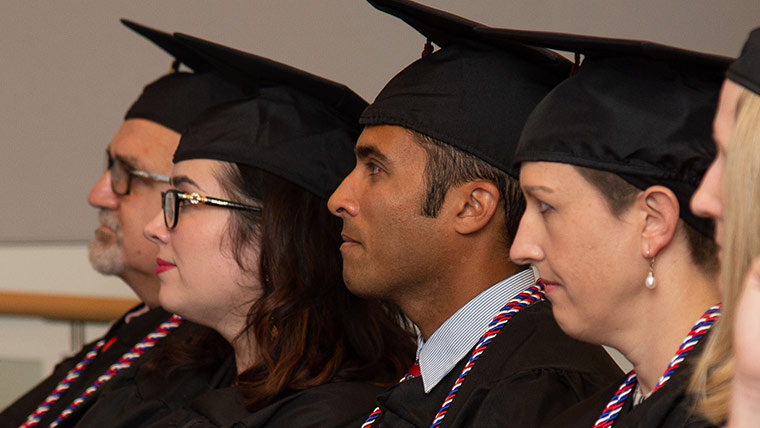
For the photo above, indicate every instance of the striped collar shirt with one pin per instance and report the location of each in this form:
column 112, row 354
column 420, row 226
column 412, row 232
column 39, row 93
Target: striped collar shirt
column 458, row 335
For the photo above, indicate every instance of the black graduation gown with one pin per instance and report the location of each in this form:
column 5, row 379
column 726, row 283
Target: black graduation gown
column 529, row 374
column 138, row 397
column 339, row 404
column 127, row 335
column 669, row 407
column 129, row 399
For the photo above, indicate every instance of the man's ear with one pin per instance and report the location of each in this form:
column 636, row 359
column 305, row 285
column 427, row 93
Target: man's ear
column 661, row 210
column 472, row 205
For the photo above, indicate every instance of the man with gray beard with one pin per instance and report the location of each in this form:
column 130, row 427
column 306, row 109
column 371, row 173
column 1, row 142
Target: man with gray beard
column 91, row 388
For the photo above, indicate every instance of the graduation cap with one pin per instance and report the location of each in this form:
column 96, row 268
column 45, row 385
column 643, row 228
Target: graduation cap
column 175, row 99
column 252, row 72
column 746, row 69
column 640, row 110
column 472, row 94
column 296, row 125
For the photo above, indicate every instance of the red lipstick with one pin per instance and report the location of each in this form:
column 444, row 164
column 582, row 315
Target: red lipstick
column 163, row 266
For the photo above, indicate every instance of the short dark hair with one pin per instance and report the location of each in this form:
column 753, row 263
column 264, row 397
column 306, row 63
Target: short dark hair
column 448, row 166
column 620, row 195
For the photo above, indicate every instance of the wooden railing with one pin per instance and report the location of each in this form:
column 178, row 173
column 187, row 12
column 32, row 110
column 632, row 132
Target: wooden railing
column 68, row 308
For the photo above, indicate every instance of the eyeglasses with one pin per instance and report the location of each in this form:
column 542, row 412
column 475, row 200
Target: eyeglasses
column 122, row 173
column 171, row 199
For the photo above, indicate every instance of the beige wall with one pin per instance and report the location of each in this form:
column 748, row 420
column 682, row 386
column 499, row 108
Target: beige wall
column 70, row 70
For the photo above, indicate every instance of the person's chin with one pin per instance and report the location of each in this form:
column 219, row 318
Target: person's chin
column 568, row 323
column 561, row 308
column 359, row 285
column 106, row 258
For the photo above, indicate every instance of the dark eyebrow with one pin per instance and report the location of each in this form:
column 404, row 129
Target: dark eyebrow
column 364, row 152
column 177, row 180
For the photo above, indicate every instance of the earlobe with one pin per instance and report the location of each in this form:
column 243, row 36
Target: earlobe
column 477, row 202
column 661, row 214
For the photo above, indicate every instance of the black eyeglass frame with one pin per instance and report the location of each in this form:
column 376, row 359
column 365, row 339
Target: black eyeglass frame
column 195, row 199
column 114, row 163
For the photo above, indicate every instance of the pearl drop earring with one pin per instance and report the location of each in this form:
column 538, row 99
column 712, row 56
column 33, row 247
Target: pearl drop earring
column 650, row 281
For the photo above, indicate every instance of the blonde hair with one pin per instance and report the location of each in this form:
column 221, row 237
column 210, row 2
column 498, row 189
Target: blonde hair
column 711, row 382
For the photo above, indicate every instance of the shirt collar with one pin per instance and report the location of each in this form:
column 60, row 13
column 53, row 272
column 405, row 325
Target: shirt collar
column 458, row 335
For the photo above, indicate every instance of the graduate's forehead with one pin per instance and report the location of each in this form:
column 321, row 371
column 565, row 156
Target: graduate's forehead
column 389, row 144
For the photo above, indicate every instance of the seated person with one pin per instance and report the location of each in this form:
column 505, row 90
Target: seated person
column 139, row 161
column 247, row 247
column 609, row 160
column 429, row 213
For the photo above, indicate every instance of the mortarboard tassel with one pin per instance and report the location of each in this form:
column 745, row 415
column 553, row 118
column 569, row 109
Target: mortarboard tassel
column 428, row 49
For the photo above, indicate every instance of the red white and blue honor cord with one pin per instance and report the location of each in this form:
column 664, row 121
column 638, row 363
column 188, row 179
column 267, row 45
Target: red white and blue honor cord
column 532, row 294
column 124, row 362
column 73, row 374
column 615, row 405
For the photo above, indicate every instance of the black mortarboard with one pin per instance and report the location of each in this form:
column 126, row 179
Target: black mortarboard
column 175, row 99
column 252, row 72
column 298, row 126
column 640, row 110
column 470, row 94
column 746, row 69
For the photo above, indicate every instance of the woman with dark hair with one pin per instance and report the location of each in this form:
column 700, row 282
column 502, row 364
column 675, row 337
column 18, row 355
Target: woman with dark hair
column 247, row 247
column 609, row 160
